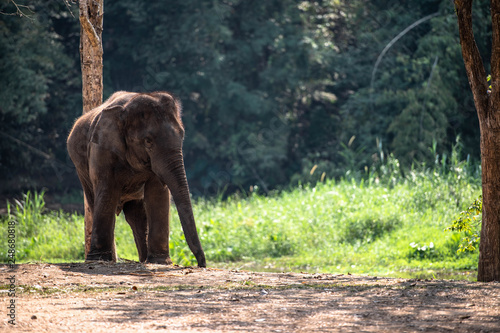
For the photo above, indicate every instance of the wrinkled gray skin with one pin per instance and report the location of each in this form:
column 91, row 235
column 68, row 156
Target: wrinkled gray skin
column 128, row 155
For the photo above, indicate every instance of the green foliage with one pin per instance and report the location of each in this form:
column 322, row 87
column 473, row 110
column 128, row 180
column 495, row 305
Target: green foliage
column 419, row 96
column 368, row 230
column 468, row 223
column 39, row 98
column 43, row 235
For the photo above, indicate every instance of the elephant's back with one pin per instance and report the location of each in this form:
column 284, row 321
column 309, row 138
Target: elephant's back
column 118, row 98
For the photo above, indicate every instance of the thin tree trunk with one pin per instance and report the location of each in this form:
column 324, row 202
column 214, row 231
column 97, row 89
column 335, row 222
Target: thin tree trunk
column 487, row 104
column 91, row 18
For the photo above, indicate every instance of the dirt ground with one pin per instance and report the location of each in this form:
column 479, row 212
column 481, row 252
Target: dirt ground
column 129, row 296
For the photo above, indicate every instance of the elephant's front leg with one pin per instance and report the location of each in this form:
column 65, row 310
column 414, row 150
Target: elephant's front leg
column 157, row 200
column 102, row 244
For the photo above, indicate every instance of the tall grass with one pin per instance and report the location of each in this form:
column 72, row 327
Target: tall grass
column 42, row 235
column 381, row 222
column 343, row 226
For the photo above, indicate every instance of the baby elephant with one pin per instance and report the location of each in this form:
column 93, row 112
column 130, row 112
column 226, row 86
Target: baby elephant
column 128, row 156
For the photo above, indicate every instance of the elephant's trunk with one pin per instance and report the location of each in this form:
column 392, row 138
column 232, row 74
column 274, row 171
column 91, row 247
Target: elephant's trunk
column 174, row 176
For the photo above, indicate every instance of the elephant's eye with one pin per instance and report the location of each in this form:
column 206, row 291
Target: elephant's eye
column 148, row 142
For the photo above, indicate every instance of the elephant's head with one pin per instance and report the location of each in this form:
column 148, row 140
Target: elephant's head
column 148, row 132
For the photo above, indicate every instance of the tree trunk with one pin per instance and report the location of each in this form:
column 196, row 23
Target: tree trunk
column 487, row 104
column 91, row 18
column 489, row 247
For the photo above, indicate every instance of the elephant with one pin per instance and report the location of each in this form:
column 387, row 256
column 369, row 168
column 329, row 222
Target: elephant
column 128, row 156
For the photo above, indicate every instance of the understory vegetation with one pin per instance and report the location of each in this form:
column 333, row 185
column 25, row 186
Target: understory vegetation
column 384, row 222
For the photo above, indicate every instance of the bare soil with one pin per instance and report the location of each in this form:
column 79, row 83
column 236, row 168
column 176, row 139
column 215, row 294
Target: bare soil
column 103, row 297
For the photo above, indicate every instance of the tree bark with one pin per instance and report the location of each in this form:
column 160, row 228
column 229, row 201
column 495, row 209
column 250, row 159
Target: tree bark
column 91, row 25
column 91, row 18
column 489, row 247
column 487, row 104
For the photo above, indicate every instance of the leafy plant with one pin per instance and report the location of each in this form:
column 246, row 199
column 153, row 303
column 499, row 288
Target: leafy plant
column 468, row 223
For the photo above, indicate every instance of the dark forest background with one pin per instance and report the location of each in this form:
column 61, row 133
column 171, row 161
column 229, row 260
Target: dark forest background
column 270, row 88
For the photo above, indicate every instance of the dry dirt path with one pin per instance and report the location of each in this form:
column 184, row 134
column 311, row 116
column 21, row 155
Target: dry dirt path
column 132, row 297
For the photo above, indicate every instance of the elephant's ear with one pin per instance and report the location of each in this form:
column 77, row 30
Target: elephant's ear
column 107, row 132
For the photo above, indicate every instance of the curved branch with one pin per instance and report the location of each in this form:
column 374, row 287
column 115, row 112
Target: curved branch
column 393, row 41
column 472, row 59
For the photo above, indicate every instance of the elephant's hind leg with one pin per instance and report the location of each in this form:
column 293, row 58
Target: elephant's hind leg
column 88, row 205
column 135, row 214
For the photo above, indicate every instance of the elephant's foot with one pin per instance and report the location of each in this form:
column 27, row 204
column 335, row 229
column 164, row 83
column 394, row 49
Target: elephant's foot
column 200, row 258
column 159, row 259
column 100, row 256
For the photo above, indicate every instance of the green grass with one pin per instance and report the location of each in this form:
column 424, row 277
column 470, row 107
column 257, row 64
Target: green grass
column 344, row 226
column 382, row 224
column 42, row 235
